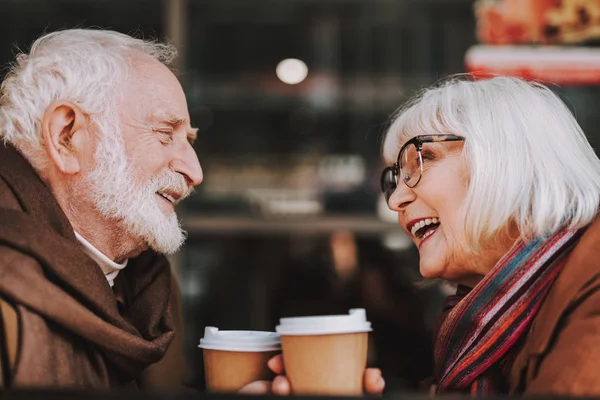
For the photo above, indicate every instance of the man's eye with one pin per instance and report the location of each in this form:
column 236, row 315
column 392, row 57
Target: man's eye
column 165, row 135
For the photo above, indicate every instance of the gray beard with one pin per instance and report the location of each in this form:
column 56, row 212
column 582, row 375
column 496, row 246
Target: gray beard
column 118, row 198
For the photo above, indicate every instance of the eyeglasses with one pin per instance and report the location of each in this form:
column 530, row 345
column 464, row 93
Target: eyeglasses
column 409, row 164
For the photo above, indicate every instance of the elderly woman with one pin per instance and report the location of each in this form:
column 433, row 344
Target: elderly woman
column 498, row 187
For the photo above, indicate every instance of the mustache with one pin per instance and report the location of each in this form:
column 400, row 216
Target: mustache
column 172, row 182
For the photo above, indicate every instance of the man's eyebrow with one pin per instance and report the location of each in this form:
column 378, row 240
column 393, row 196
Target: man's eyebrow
column 172, row 119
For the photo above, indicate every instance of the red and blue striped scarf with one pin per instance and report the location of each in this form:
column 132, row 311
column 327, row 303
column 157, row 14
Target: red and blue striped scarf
column 479, row 327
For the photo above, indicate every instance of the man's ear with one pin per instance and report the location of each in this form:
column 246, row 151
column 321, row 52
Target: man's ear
column 65, row 133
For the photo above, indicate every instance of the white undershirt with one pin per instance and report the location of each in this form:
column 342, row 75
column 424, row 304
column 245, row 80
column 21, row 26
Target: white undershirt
column 109, row 267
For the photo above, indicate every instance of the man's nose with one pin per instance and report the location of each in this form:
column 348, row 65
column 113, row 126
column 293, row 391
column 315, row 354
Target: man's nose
column 187, row 164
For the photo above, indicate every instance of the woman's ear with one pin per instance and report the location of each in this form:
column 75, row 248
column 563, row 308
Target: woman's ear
column 65, row 134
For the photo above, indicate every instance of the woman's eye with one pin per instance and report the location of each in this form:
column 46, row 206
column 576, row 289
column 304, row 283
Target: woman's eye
column 427, row 155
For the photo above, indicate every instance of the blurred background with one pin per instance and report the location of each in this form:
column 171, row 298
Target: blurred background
column 292, row 98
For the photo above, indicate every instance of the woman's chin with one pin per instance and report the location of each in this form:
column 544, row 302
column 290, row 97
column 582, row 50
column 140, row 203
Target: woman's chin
column 430, row 271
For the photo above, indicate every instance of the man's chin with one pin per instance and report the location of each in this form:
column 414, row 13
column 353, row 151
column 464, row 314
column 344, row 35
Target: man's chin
column 167, row 243
column 161, row 233
column 170, row 248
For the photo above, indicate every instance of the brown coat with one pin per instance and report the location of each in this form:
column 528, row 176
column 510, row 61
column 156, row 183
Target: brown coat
column 74, row 331
column 561, row 354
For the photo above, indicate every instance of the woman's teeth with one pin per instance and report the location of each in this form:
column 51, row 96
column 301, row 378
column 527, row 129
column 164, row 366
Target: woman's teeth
column 428, row 233
column 423, row 223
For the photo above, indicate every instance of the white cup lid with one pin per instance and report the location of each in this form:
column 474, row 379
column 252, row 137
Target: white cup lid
column 354, row 322
column 239, row 340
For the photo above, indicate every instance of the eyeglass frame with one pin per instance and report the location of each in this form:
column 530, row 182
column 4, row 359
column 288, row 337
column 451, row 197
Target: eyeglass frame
column 417, row 141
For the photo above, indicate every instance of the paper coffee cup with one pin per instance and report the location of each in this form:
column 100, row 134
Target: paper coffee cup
column 233, row 359
column 326, row 355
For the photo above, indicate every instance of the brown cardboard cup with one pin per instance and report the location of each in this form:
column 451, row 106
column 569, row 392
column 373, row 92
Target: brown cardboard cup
column 229, row 371
column 233, row 359
column 326, row 355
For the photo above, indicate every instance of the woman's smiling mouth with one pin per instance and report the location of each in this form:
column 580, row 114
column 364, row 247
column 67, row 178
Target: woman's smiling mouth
column 422, row 227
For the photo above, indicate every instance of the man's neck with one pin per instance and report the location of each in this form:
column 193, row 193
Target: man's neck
column 113, row 245
column 105, row 235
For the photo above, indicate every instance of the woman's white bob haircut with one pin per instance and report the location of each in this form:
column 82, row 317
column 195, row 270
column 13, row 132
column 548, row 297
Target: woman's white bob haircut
column 529, row 161
column 81, row 66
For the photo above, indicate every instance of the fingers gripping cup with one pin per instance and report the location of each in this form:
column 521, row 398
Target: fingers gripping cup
column 326, row 355
column 233, row 359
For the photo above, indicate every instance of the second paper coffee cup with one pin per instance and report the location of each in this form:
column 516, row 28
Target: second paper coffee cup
column 326, row 355
column 233, row 359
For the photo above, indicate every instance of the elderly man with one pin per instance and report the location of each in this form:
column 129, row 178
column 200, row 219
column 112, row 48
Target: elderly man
column 97, row 151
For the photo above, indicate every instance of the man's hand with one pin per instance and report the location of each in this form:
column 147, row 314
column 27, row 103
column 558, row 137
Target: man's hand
column 373, row 381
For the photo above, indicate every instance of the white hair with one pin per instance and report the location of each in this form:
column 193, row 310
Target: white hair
column 529, row 161
column 85, row 67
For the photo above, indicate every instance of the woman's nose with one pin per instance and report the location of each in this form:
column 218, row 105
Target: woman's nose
column 401, row 197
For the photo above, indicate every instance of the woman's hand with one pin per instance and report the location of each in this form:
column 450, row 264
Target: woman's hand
column 373, row 381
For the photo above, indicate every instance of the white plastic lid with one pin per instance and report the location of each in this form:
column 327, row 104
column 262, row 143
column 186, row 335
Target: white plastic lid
column 355, row 321
column 239, row 340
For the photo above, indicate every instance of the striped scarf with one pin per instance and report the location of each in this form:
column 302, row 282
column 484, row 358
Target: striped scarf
column 478, row 332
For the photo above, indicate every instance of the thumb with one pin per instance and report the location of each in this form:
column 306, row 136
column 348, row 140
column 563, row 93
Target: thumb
column 281, row 386
column 257, row 387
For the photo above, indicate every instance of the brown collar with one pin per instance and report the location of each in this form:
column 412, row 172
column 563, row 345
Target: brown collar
column 580, row 268
column 67, row 287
